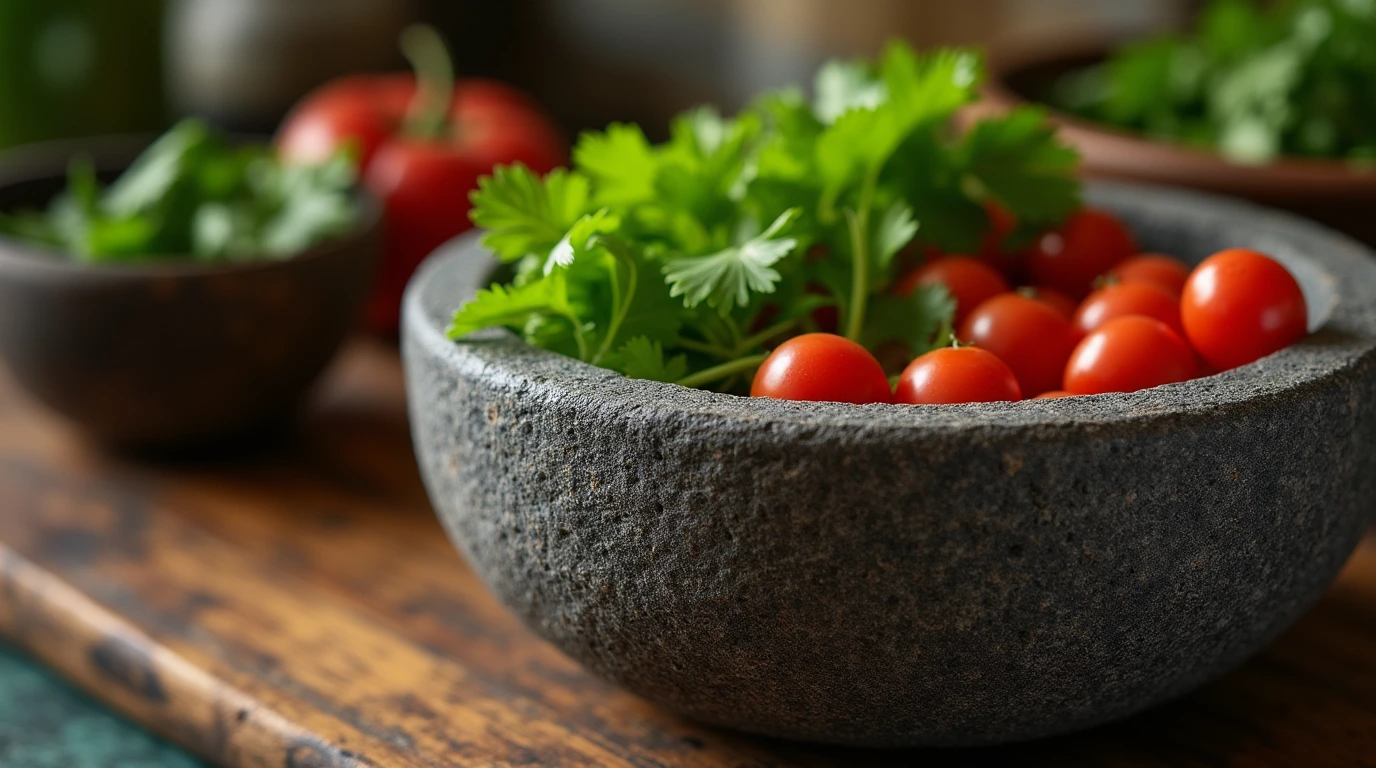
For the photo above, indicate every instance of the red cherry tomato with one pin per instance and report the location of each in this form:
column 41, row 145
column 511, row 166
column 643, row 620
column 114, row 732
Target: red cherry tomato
column 1054, row 394
column 1166, row 271
column 1031, row 337
column 423, row 182
column 1052, row 298
column 1240, row 306
column 1088, row 245
column 957, row 375
column 822, row 367
column 1132, row 298
column 969, row 281
column 1128, row 354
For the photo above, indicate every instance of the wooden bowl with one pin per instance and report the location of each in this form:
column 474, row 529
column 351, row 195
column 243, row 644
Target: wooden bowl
column 893, row 575
column 164, row 352
column 1329, row 191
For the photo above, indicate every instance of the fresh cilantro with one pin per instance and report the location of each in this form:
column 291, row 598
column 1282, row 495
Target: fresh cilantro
column 1019, row 161
column 511, row 307
column 641, row 358
column 1253, row 81
column 194, row 194
column 621, row 162
column 727, row 278
column 525, row 215
column 921, row 320
column 686, row 261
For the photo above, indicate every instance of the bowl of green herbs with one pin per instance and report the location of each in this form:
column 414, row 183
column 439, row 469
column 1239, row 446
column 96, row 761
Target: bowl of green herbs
column 186, row 290
column 1275, row 103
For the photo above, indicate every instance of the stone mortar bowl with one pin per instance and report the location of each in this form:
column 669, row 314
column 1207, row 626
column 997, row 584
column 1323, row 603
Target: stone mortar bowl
column 895, row 575
column 168, row 353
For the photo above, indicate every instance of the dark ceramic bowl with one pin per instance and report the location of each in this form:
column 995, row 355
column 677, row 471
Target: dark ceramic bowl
column 895, row 575
column 1330, row 191
column 165, row 353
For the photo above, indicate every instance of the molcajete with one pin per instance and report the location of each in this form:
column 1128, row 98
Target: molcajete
column 895, row 575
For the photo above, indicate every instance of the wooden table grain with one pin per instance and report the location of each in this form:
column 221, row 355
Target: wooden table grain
column 299, row 607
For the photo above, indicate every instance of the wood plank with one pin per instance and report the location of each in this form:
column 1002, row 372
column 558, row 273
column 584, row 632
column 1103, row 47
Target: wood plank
column 301, row 607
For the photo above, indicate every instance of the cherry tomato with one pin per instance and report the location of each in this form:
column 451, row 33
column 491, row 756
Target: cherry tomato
column 1031, row 337
column 1127, row 354
column 957, row 375
column 1130, row 298
column 1088, row 245
column 822, row 367
column 1166, row 271
column 1239, row 306
column 969, row 281
column 1052, row 298
column 1054, row 394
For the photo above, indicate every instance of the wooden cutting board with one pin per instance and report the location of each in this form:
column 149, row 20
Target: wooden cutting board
column 299, row 607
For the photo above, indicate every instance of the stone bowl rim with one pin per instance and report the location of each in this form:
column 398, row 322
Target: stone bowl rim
column 501, row 353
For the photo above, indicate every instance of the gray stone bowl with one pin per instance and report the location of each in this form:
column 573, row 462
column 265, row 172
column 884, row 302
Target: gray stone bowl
column 895, row 575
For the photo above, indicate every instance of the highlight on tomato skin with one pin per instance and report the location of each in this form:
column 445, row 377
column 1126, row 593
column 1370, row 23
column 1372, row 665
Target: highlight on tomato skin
column 1166, row 271
column 1029, row 336
column 955, row 375
column 1090, row 244
column 822, row 367
column 1129, row 298
column 1129, row 354
column 1239, row 306
column 969, row 281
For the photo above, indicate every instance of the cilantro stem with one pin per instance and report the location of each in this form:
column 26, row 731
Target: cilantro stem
column 623, row 307
column 723, row 371
column 427, row 117
column 859, row 222
column 750, row 342
column 578, row 336
column 703, row 347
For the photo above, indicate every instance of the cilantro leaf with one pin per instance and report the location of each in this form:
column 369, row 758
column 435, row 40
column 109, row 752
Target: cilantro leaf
column 726, row 278
column 511, row 307
column 921, row 92
column 1018, row 159
column 641, row 358
column 579, row 238
column 845, row 85
column 524, row 215
column 621, row 163
column 921, row 320
column 893, row 230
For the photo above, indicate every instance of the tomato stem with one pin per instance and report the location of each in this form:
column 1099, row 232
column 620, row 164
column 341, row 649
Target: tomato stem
column 428, row 115
column 723, row 371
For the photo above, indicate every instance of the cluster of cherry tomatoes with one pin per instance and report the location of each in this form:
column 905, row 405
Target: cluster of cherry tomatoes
column 1098, row 317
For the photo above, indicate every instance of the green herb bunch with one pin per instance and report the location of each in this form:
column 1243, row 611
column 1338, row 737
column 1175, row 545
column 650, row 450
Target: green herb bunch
column 1295, row 78
column 683, row 262
column 195, row 194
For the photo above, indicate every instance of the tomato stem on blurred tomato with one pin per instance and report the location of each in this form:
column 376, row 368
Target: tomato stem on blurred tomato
column 428, row 115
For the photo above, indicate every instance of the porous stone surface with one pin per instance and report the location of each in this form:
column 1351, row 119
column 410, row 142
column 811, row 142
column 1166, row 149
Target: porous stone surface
column 898, row 575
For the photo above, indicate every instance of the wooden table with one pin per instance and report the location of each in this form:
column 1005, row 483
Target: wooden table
column 300, row 607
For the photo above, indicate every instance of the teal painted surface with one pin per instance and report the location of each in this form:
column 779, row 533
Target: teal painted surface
column 46, row 723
